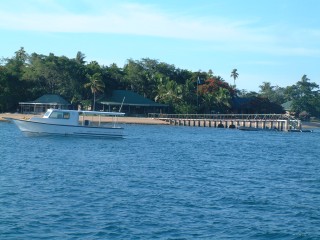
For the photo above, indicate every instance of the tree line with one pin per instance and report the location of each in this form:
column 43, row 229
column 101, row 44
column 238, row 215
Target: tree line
column 25, row 77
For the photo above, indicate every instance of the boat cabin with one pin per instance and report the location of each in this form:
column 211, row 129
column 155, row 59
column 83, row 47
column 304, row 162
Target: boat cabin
column 72, row 117
column 59, row 116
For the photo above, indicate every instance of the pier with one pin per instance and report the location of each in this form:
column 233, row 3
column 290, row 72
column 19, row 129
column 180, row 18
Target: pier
column 280, row 122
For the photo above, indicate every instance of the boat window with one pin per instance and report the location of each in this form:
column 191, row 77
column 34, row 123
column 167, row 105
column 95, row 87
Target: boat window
column 60, row 115
column 66, row 115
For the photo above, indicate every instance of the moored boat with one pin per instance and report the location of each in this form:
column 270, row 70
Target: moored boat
column 300, row 130
column 249, row 128
column 70, row 123
column 243, row 128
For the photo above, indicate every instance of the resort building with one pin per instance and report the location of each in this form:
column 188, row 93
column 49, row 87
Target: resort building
column 131, row 103
column 43, row 103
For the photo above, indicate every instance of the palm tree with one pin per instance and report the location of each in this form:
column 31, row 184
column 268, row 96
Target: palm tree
column 208, row 101
column 80, row 58
column 305, row 87
column 223, row 98
column 234, row 75
column 169, row 92
column 266, row 90
column 96, row 85
column 188, row 92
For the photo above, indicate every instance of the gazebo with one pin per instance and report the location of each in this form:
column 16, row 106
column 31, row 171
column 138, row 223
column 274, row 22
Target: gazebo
column 43, row 103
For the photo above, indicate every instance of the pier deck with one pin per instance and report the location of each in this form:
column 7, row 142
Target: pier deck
column 280, row 122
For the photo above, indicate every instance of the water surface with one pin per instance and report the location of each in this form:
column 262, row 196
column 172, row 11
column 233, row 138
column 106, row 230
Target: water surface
column 160, row 182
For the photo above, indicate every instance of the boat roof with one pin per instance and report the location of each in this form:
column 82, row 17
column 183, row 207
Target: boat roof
column 89, row 112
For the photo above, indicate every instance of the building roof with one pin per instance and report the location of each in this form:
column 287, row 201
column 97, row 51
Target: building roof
column 242, row 102
column 129, row 98
column 287, row 105
column 50, row 99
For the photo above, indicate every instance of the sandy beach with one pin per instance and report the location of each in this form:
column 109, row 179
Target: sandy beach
column 126, row 120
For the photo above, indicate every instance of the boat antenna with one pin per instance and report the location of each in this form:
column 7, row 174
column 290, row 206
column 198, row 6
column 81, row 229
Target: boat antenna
column 122, row 104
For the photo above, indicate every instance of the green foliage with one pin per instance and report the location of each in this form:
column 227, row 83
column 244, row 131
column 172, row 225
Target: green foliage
column 25, row 77
column 275, row 94
column 215, row 95
column 305, row 97
column 4, row 89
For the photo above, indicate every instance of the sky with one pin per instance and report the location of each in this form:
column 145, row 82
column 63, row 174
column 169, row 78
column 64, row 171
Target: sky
column 276, row 41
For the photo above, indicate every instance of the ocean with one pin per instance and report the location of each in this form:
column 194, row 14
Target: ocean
column 160, row 182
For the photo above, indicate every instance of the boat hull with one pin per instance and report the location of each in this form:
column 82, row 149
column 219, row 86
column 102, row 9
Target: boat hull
column 39, row 128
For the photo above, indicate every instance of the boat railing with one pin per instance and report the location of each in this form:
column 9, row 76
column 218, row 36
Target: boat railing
column 98, row 120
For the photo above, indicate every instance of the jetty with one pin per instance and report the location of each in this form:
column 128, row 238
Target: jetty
column 280, row 122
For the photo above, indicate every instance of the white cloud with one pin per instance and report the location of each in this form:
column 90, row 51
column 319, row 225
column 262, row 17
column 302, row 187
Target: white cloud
column 127, row 19
column 147, row 20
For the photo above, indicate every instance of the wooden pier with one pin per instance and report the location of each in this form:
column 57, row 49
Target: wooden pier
column 280, row 122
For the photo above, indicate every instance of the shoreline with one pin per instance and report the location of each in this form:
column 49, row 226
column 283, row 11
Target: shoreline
column 130, row 120
column 123, row 120
column 310, row 125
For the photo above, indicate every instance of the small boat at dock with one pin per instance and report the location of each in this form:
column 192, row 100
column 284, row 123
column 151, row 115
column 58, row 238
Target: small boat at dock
column 299, row 130
column 243, row 128
column 70, row 123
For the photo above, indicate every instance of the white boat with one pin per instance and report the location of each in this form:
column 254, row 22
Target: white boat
column 70, row 123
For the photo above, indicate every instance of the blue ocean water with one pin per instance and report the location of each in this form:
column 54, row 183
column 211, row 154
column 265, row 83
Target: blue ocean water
column 160, row 182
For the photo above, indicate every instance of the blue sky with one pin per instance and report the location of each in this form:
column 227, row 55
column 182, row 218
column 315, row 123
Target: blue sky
column 276, row 41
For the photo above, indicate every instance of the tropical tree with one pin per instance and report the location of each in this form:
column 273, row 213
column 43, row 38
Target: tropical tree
column 305, row 87
column 80, row 58
column 306, row 94
column 245, row 94
column 223, row 99
column 135, row 77
column 171, row 93
column 273, row 93
column 216, row 95
column 189, row 95
column 213, row 85
column 315, row 112
column 208, row 102
column 14, row 88
column 17, row 64
column 96, row 85
column 4, row 89
column 234, row 75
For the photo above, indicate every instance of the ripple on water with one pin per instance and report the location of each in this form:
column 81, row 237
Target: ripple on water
column 160, row 182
